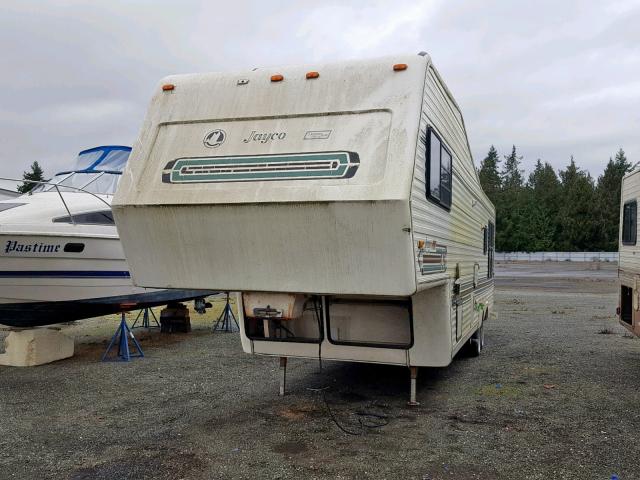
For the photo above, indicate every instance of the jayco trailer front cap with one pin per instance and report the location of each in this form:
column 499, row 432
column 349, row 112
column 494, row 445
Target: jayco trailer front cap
column 302, row 180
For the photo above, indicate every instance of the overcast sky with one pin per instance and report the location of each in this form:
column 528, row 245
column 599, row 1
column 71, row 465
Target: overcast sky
column 555, row 78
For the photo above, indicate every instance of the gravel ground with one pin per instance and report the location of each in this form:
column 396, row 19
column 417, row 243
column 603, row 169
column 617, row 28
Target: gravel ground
column 552, row 396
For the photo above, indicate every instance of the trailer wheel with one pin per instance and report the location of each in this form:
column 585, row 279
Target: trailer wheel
column 476, row 342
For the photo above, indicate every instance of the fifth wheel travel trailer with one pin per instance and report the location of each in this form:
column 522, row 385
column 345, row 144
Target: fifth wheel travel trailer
column 629, row 261
column 340, row 199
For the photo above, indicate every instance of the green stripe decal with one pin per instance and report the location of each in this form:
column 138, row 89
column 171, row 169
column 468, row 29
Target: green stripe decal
column 294, row 166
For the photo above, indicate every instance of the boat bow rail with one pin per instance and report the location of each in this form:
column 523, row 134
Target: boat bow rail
column 96, row 173
column 60, row 194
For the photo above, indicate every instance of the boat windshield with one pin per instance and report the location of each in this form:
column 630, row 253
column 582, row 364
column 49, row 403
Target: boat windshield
column 97, row 170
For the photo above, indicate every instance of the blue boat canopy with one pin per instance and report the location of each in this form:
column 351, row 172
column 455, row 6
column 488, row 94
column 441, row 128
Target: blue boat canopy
column 108, row 158
column 97, row 170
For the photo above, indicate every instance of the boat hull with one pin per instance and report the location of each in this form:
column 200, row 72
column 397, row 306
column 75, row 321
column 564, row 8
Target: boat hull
column 45, row 284
column 36, row 314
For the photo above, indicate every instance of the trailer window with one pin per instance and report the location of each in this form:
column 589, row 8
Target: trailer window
column 484, row 240
column 491, row 247
column 445, row 178
column 629, row 223
column 434, row 167
column 439, row 170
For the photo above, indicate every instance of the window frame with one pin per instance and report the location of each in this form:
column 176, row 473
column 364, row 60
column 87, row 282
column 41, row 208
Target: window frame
column 633, row 222
column 448, row 188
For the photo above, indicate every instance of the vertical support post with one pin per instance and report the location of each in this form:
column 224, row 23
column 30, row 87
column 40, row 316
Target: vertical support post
column 283, row 375
column 123, row 348
column 414, row 378
column 73, row 220
column 265, row 326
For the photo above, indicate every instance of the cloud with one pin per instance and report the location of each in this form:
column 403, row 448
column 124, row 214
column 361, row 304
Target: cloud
column 79, row 113
column 344, row 30
column 554, row 78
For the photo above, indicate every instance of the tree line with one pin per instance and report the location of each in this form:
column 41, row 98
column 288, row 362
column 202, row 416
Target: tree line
column 568, row 211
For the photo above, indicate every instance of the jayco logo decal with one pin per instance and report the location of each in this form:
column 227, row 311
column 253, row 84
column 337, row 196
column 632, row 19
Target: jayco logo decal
column 264, row 137
column 215, row 138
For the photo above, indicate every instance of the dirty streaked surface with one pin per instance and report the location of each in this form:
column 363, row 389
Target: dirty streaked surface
column 554, row 395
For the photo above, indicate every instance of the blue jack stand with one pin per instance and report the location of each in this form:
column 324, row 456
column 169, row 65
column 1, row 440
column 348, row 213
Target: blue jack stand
column 145, row 319
column 227, row 319
column 121, row 337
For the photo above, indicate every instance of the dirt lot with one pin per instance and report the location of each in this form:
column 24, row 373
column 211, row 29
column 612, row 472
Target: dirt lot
column 555, row 395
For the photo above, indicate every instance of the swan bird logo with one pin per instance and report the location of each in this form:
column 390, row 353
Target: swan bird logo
column 215, row 138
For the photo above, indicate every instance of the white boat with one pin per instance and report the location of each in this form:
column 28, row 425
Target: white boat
column 60, row 253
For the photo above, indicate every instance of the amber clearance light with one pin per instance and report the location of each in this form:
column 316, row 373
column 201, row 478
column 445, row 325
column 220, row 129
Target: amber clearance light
column 167, row 87
column 312, row 75
column 399, row 67
column 277, row 78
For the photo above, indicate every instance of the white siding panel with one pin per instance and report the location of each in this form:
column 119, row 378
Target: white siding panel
column 459, row 229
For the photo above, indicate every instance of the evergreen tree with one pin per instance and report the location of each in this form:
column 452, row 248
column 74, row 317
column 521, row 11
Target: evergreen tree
column 511, row 209
column 608, row 193
column 489, row 176
column 541, row 229
column 577, row 216
column 35, row 175
column 546, row 192
column 511, row 173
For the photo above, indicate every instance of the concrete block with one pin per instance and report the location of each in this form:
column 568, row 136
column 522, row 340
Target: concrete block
column 35, row 346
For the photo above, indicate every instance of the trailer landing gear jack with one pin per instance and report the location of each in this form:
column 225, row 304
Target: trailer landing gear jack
column 414, row 377
column 283, row 375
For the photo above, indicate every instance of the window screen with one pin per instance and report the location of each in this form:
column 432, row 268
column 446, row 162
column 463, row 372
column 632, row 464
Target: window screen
column 491, row 246
column 484, row 240
column 434, row 166
column 439, row 170
column 629, row 223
